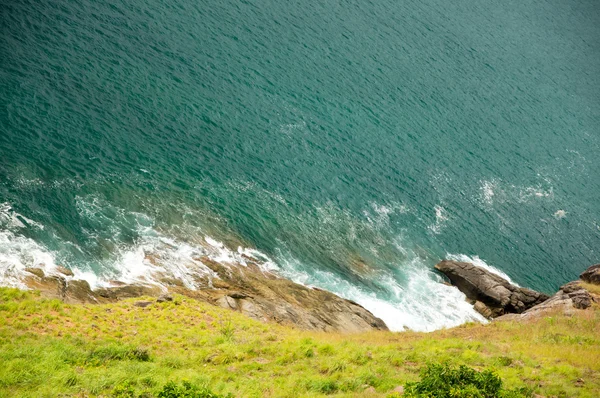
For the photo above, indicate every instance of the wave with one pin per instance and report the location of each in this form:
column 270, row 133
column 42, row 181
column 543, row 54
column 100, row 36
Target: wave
column 408, row 296
column 423, row 303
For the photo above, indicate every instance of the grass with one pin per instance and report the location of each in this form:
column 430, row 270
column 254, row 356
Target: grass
column 50, row 349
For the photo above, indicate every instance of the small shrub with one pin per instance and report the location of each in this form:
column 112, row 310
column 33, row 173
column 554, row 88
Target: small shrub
column 446, row 381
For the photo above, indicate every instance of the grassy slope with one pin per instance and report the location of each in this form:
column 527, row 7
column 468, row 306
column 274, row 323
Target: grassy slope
column 48, row 348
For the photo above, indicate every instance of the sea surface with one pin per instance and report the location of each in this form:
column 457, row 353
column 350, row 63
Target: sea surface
column 348, row 145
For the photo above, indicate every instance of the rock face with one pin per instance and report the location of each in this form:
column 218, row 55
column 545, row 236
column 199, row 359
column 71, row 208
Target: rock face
column 569, row 298
column 267, row 297
column 492, row 295
column 243, row 288
column 591, row 275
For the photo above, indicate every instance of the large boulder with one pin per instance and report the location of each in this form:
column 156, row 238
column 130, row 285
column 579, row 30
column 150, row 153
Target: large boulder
column 493, row 295
column 591, row 275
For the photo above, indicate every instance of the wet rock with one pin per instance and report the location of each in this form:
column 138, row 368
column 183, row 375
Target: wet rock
column 591, row 275
column 36, row 271
column 493, row 292
column 64, row 271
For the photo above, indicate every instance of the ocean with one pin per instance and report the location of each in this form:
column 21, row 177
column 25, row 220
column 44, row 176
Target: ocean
column 344, row 145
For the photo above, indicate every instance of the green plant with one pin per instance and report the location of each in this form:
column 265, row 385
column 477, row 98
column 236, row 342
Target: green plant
column 446, row 381
column 227, row 330
column 187, row 390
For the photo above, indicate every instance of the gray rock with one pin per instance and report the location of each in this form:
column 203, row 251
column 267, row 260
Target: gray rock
column 570, row 296
column 496, row 295
column 164, row 298
column 591, row 275
column 142, row 304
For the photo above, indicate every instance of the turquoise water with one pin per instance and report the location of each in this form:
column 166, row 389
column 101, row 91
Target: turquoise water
column 349, row 145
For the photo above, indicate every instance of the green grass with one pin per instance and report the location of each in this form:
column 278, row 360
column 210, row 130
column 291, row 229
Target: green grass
column 50, row 349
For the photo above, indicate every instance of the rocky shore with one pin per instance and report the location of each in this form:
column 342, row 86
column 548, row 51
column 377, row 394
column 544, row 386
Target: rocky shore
column 244, row 288
column 496, row 298
column 265, row 296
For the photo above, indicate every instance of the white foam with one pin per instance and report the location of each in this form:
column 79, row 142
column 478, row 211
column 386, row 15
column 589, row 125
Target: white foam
column 420, row 303
column 488, row 189
column 18, row 253
column 496, row 191
column 480, row 263
column 441, row 217
column 423, row 304
column 560, row 214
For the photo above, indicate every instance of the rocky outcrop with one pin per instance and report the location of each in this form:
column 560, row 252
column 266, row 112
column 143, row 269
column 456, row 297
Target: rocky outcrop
column 491, row 294
column 591, row 275
column 570, row 297
column 243, row 288
column 267, row 297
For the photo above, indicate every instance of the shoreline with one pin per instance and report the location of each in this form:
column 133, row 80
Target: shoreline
column 265, row 296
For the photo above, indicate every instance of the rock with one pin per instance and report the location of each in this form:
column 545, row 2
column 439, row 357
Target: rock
column 591, row 275
column 266, row 297
column 398, row 390
column 164, row 298
column 227, row 302
column 64, row 271
column 142, row 304
column 49, row 286
column 483, row 309
column 245, row 288
column 79, row 291
column 370, row 390
column 36, row 271
column 493, row 292
column 569, row 297
column 128, row 291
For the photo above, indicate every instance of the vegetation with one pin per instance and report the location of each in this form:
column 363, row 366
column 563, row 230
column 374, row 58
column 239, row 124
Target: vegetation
column 446, row 381
column 51, row 349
